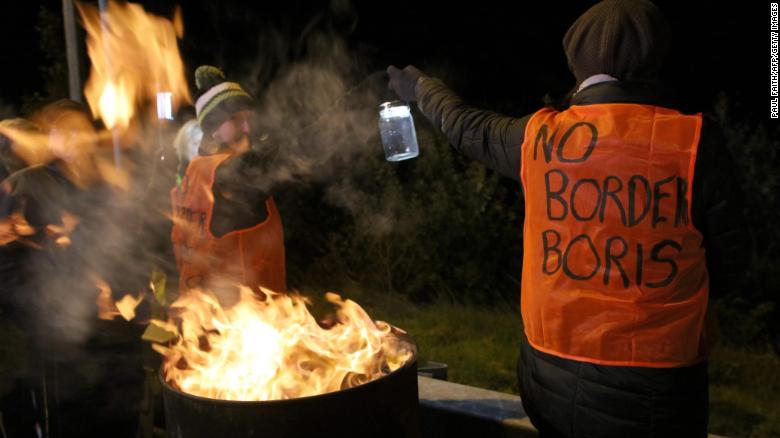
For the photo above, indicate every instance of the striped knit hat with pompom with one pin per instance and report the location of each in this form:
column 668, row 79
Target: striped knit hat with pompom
column 216, row 98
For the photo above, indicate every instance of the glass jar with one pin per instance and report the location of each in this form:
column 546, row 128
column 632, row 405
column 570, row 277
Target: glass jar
column 396, row 128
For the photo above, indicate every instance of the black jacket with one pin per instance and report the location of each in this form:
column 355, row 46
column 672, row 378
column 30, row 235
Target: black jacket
column 242, row 184
column 577, row 399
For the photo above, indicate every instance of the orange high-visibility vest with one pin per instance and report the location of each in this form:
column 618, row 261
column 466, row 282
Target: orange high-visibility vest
column 613, row 269
column 252, row 256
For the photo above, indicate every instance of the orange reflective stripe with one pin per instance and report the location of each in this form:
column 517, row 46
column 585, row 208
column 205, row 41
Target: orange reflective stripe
column 252, row 256
column 613, row 268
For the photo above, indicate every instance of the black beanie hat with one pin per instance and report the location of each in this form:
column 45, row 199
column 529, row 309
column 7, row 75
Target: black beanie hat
column 217, row 99
column 627, row 39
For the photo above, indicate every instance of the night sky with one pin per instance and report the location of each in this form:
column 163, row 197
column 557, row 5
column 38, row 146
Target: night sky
column 499, row 55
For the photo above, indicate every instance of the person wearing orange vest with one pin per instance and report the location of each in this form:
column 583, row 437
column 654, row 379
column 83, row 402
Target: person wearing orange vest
column 227, row 231
column 632, row 218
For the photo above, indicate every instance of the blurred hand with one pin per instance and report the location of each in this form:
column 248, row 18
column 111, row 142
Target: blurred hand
column 403, row 82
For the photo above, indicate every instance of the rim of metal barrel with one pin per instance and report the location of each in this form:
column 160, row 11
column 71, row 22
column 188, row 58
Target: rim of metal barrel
column 412, row 362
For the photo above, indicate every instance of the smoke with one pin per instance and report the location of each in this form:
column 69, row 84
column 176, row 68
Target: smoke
column 317, row 122
column 321, row 115
column 50, row 275
column 375, row 217
column 318, row 113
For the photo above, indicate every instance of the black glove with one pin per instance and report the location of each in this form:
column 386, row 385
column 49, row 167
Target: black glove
column 403, row 82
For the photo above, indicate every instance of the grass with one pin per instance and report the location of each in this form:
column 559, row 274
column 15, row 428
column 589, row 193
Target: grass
column 481, row 347
column 744, row 393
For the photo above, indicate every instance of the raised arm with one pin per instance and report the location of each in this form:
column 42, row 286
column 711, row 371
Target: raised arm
column 488, row 137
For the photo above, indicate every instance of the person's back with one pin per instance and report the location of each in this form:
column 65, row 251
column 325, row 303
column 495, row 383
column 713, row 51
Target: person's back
column 623, row 194
column 614, row 270
column 614, row 274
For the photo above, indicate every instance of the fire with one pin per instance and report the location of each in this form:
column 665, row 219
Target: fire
column 269, row 347
column 114, row 105
column 134, row 56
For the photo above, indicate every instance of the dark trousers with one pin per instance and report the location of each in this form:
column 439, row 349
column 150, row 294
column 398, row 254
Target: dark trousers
column 573, row 399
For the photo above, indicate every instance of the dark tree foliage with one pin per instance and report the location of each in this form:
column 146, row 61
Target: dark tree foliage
column 749, row 316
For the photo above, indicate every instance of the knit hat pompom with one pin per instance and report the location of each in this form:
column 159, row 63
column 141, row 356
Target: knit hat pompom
column 207, row 76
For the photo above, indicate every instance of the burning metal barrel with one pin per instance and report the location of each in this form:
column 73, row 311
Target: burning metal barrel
column 385, row 407
column 264, row 367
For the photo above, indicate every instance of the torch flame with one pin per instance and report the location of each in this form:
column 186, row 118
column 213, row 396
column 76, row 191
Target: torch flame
column 134, row 56
column 270, row 347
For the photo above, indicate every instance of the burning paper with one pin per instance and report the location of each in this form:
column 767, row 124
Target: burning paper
column 16, row 228
column 108, row 309
column 134, row 57
column 13, row 228
column 270, row 347
column 60, row 233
